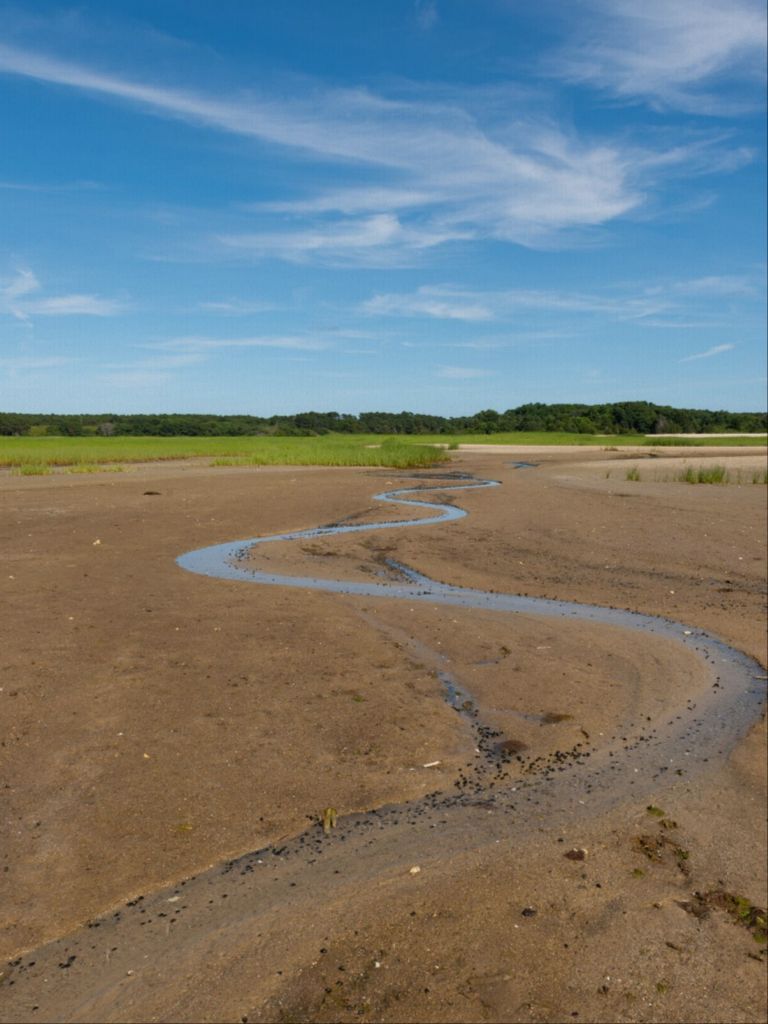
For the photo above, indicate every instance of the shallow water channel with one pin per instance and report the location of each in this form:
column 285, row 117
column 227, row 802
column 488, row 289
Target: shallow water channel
column 728, row 704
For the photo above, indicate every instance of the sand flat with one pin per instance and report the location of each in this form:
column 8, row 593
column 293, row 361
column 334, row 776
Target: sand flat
column 158, row 723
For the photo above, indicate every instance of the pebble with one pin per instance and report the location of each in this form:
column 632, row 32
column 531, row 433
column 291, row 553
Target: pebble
column 577, row 853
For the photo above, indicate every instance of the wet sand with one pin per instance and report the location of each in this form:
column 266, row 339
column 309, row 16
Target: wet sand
column 257, row 708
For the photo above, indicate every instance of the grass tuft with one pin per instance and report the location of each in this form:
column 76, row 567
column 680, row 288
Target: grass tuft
column 94, row 467
column 671, row 442
column 704, row 475
column 32, row 469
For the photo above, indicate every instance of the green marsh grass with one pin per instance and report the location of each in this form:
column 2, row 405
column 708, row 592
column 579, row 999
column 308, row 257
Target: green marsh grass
column 718, row 475
column 729, row 441
column 680, row 442
column 328, row 450
column 32, row 469
column 561, row 438
column 721, row 475
column 312, row 452
column 704, row 475
column 95, row 467
column 89, row 454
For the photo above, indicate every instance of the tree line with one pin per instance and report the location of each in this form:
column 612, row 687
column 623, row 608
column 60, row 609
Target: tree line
column 608, row 418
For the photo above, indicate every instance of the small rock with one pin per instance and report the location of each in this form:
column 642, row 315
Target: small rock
column 528, row 912
column 414, row 870
column 577, row 853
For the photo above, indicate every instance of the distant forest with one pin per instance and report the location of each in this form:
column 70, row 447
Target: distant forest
column 611, row 418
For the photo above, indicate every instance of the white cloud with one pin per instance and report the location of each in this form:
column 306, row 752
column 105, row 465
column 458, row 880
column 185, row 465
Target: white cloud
column 74, row 305
column 22, row 284
column 716, row 285
column 194, row 343
column 697, row 302
column 235, row 307
column 462, row 372
column 679, row 324
column 431, row 301
column 715, row 351
column 669, row 52
column 448, row 167
column 451, row 303
column 380, row 238
column 356, row 199
column 161, row 362
column 15, row 301
column 424, row 167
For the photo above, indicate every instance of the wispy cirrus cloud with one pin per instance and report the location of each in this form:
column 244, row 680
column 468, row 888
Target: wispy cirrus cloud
column 722, row 284
column 378, row 240
column 22, row 283
column 201, row 344
column 716, row 350
column 697, row 302
column 446, row 302
column 443, row 303
column 18, row 299
column 424, row 166
column 351, row 200
column 235, row 307
column 497, row 342
column 682, row 54
column 74, row 305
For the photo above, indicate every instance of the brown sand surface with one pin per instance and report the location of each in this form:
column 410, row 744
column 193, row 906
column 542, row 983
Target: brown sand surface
column 156, row 723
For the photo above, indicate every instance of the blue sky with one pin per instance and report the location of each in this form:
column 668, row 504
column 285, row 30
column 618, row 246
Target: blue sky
column 435, row 205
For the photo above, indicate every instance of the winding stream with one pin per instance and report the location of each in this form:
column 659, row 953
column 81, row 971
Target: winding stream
column 728, row 704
